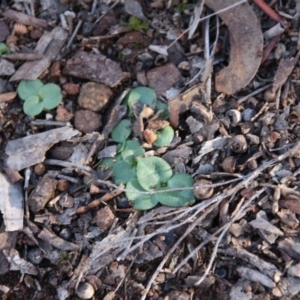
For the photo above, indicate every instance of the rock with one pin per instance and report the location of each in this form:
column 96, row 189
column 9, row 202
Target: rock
column 6, row 68
column 162, row 78
column 4, row 31
column 87, row 121
column 62, row 114
column 294, row 270
column 105, row 218
column 71, row 88
column 177, row 295
column 94, row 96
column 85, row 291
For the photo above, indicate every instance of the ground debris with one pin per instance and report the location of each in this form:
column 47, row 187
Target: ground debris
column 30, row 150
column 95, row 67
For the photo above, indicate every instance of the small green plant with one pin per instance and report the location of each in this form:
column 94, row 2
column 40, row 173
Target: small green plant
column 153, row 174
column 182, row 7
column 3, row 49
column 146, row 174
column 137, row 24
column 38, row 96
column 147, row 96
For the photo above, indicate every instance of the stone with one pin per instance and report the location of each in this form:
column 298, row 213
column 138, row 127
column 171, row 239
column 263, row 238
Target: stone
column 87, row 121
column 163, row 78
column 94, row 96
column 71, row 88
column 6, row 68
column 105, row 218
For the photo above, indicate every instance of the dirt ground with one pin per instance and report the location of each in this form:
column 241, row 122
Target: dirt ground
column 149, row 149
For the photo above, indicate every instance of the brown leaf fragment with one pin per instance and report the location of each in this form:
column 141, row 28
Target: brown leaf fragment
column 157, row 124
column 246, row 45
column 48, row 45
column 162, row 78
column 134, row 8
column 291, row 204
column 95, row 67
column 13, row 175
column 8, row 239
column 56, row 241
column 149, row 136
column 43, row 192
column 284, row 70
column 105, row 218
column 6, row 97
column 4, row 31
column 19, row 264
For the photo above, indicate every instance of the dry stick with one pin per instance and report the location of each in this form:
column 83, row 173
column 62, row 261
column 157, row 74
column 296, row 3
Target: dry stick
column 49, row 123
column 106, row 12
column 206, row 17
column 97, row 202
column 208, row 58
column 174, row 247
column 168, row 190
column 204, row 204
column 66, row 164
column 227, row 226
column 74, row 34
column 270, row 12
column 241, row 100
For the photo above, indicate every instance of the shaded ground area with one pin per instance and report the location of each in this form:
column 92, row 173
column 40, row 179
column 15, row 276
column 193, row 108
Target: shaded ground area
column 149, row 150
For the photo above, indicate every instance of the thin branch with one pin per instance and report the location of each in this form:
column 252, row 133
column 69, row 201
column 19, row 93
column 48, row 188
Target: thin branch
column 206, row 17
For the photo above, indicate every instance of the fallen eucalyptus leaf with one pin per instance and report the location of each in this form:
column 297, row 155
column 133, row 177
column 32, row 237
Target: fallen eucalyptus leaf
column 246, row 45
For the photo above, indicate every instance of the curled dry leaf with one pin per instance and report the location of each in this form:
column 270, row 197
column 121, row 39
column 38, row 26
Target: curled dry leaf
column 149, row 136
column 246, row 41
column 284, row 70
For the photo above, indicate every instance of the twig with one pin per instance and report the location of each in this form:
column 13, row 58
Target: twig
column 168, row 190
column 208, row 58
column 227, row 226
column 106, row 12
column 270, row 12
column 49, row 123
column 174, row 247
column 97, row 202
column 241, row 100
column 74, row 34
column 66, row 164
column 206, row 17
column 23, row 56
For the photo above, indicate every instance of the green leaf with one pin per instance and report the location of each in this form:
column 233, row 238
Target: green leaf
column 153, row 172
column 33, row 106
column 164, row 137
column 162, row 106
column 141, row 94
column 132, row 149
column 123, row 172
column 107, row 163
column 177, row 198
column 51, row 95
column 3, row 49
column 28, row 88
column 140, row 201
column 121, row 131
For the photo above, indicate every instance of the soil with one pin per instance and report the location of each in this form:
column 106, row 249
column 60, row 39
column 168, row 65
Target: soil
column 214, row 100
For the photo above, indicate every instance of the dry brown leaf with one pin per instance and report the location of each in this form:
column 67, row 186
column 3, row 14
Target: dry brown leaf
column 284, row 70
column 246, row 45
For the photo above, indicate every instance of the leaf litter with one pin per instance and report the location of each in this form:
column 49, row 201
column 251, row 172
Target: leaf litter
column 214, row 119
